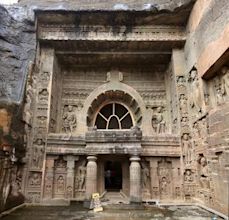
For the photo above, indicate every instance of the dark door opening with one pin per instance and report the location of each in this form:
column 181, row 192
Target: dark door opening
column 113, row 176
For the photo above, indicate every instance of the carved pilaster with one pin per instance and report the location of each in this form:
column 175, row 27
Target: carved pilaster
column 70, row 175
column 49, row 178
column 155, row 180
column 40, row 123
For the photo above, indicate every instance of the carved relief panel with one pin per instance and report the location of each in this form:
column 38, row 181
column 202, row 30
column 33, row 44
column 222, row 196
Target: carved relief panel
column 60, row 171
column 165, row 179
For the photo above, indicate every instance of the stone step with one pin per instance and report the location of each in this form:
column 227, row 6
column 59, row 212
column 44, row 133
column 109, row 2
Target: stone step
column 115, row 197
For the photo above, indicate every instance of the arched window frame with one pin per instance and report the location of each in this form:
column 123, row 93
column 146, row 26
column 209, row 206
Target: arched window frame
column 114, row 115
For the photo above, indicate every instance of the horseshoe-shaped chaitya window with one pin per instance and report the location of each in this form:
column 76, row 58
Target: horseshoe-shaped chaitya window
column 113, row 116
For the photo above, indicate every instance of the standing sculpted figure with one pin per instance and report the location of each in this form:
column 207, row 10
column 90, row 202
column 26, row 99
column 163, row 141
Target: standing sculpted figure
column 145, row 176
column 158, row 121
column 69, row 120
column 82, row 170
column 187, row 148
column 225, row 81
column 183, row 104
column 195, row 96
column 204, row 172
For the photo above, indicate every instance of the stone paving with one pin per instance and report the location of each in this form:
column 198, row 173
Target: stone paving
column 114, row 212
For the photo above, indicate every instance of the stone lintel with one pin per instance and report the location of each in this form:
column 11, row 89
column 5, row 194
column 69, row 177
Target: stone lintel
column 103, row 33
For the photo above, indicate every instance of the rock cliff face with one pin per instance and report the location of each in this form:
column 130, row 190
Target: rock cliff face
column 17, row 52
column 166, row 5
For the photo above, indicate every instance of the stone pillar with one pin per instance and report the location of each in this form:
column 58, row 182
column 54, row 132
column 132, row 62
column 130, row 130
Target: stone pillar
column 70, row 175
column 154, row 176
column 49, row 178
column 91, row 178
column 135, row 179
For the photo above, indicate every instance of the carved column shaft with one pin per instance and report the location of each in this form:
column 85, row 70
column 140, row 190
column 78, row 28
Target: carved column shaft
column 49, row 179
column 91, row 178
column 154, row 177
column 70, row 176
column 135, row 179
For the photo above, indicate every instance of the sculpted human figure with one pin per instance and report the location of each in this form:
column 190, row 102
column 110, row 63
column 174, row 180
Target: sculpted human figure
column 195, row 95
column 188, row 176
column 27, row 107
column 183, row 104
column 69, row 120
column 38, row 157
column 35, row 180
column 219, row 93
column 225, row 81
column 60, row 184
column 82, row 170
column 204, row 172
column 145, row 176
column 164, row 185
column 187, row 148
column 158, row 121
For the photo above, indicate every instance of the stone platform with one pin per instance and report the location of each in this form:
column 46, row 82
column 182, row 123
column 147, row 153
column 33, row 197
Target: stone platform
column 124, row 212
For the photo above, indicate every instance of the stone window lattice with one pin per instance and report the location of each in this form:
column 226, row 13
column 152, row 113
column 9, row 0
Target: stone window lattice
column 113, row 116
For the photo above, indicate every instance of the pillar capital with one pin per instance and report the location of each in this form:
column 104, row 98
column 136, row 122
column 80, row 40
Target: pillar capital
column 92, row 158
column 135, row 158
column 71, row 158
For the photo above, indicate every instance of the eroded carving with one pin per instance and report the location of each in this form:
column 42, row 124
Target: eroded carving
column 225, row 81
column 204, row 173
column 43, row 96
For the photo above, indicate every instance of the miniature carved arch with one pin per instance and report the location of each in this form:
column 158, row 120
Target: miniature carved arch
column 114, row 110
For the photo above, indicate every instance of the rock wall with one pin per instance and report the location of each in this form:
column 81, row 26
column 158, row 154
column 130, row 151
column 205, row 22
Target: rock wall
column 207, row 31
column 207, row 61
column 17, row 52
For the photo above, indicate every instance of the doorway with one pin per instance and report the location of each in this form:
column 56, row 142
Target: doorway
column 113, row 175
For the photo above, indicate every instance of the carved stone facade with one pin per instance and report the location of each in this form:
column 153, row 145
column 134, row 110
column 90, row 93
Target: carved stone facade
column 133, row 121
